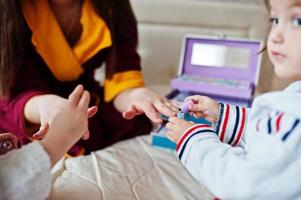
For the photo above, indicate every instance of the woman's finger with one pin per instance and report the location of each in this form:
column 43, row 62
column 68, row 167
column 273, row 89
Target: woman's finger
column 161, row 107
column 173, row 106
column 146, row 108
column 151, row 113
column 131, row 112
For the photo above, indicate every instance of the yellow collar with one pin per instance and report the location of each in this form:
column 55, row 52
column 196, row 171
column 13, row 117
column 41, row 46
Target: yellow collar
column 47, row 37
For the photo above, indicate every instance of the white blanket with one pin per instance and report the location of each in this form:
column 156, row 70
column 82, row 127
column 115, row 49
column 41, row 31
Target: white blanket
column 131, row 169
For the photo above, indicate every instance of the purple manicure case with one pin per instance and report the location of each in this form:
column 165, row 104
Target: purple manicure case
column 220, row 67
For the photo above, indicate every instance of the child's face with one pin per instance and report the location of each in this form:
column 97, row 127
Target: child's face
column 284, row 42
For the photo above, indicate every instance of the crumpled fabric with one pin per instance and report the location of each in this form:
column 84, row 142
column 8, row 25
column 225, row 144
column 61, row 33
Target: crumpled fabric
column 131, row 169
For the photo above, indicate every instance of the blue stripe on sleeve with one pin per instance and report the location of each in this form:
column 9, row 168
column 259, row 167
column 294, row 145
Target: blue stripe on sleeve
column 220, row 118
column 236, row 125
column 270, row 125
column 184, row 145
column 290, row 131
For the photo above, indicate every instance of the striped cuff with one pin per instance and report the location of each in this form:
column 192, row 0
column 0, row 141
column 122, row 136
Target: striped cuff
column 231, row 124
column 193, row 134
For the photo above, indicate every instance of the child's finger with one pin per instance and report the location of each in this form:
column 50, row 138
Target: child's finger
column 84, row 101
column 42, row 132
column 169, row 135
column 86, row 135
column 76, row 94
column 211, row 119
column 174, row 120
column 169, row 126
column 92, row 111
column 196, row 114
column 199, row 114
column 196, row 107
column 194, row 98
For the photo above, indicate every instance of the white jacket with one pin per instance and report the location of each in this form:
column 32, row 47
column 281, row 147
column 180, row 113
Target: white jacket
column 25, row 173
column 250, row 154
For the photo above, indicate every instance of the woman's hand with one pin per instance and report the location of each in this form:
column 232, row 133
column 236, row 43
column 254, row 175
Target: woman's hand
column 143, row 100
column 176, row 127
column 203, row 106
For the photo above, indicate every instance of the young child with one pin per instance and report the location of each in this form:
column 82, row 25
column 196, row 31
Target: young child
column 25, row 173
column 251, row 154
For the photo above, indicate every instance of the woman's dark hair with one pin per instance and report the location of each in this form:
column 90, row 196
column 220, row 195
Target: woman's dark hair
column 12, row 32
column 116, row 13
column 11, row 27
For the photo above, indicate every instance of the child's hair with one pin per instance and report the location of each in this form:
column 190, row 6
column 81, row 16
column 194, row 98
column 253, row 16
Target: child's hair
column 267, row 4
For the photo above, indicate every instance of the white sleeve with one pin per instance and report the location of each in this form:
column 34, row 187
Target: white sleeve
column 231, row 124
column 25, row 173
column 267, row 169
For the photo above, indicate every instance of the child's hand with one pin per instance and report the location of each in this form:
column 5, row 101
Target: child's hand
column 52, row 104
column 68, row 125
column 204, row 106
column 49, row 106
column 176, row 128
column 44, row 126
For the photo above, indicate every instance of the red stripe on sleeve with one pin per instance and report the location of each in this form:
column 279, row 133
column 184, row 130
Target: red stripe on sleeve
column 278, row 120
column 189, row 131
column 225, row 123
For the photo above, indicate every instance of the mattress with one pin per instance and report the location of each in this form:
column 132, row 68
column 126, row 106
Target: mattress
column 131, row 169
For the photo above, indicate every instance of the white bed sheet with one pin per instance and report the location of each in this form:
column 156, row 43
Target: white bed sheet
column 131, row 169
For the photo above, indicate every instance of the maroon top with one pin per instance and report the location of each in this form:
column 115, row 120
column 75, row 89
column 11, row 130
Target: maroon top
column 34, row 77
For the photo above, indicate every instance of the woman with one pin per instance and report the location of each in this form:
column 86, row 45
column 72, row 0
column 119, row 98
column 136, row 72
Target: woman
column 50, row 46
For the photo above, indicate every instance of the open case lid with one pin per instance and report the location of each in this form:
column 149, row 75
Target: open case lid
column 220, row 57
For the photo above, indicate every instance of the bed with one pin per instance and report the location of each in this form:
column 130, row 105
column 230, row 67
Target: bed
column 132, row 169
